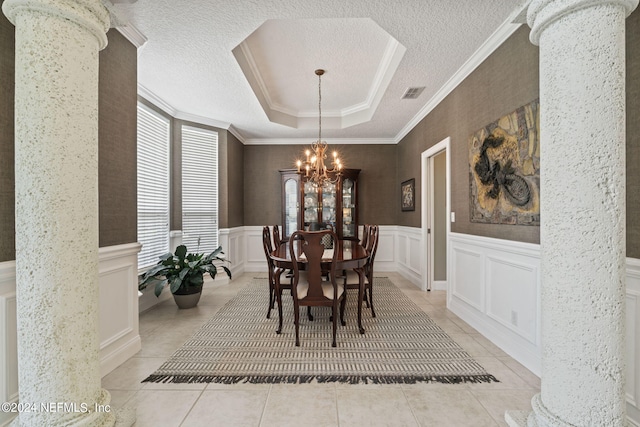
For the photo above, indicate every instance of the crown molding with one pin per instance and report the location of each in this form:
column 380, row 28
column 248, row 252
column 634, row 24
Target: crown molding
column 133, row 34
column 122, row 24
column 156, row 100
column 499, row 36
column 181, row 115
column 307, row 141
column 235, row 132
column 358, row 113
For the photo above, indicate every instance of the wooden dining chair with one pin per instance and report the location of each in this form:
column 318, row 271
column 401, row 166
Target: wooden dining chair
column 309, row 288
column 351, row 278
column 273, row 270
column 277, row 237
column 365, row 235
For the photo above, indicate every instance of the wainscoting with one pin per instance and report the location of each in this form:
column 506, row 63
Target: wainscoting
column 633, row 341
column 119, row 337
column 494, row 285
column 8, row 337
column 250, row 256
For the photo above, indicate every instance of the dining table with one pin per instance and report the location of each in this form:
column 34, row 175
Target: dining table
column 350, row 255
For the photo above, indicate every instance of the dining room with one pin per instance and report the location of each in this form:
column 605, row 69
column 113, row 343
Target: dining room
column 464, row 317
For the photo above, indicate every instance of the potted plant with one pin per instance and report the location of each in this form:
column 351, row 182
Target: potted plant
column 183, row 273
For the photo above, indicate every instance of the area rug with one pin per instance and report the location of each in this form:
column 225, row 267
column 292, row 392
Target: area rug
column 401, row 345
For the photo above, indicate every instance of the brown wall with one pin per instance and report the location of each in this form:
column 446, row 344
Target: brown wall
column 505, row 81
column 117, row 127
column 235, row 183
column 633, row 135
column 7, row 181
column 377, row 193
column 117, row 141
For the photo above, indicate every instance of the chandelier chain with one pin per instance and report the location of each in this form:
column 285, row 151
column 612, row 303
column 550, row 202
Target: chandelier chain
column 319, row 107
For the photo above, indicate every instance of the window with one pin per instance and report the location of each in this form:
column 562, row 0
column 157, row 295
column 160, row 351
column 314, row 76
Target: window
column 153, row 185
column 199, row 189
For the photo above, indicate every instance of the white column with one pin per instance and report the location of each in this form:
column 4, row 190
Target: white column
column 582, row 231
column 56, row 167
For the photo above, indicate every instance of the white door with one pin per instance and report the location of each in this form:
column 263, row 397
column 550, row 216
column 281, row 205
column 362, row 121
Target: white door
column 435, row 215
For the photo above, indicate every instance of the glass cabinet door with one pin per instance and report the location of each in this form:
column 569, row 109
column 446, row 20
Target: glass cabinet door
column 329, row 204
column 348, row 208
column 291, row 206
column 311, row 204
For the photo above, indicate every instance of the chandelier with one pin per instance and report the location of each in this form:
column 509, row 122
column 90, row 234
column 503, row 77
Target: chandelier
column 313, row 168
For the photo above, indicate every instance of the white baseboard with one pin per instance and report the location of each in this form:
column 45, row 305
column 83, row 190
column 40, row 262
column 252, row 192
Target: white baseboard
column 439, row 285
column 124, row 351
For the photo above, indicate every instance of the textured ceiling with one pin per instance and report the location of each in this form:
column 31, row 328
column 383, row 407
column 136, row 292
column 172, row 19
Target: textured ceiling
column 189, row 62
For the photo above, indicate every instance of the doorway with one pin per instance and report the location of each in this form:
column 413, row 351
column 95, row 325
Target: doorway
column 436, row 214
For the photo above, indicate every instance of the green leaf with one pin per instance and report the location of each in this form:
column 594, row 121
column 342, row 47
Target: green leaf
column 215, row 253
column 227, row 270
column 183, row 273
column 159, row 287
column 181, row 252
column 196, row 280
column 169, row 262
column 153, row 271
column 175, row 284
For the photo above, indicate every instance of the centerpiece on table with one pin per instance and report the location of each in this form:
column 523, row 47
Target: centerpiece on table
column 184, row 273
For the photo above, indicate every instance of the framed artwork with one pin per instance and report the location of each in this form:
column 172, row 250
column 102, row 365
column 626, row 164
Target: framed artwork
column 408, row 192
column 504, row 169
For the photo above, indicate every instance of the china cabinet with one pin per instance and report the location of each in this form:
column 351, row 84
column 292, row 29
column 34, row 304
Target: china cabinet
column 307, row 206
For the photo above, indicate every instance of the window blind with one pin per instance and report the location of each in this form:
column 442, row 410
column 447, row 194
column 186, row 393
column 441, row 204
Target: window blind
column 199, row 189
column 153, row 185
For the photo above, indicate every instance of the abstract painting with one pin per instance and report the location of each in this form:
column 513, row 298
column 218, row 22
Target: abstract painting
column 504, row 169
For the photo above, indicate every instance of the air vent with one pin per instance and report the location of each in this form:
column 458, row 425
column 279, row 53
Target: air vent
column 413, row 92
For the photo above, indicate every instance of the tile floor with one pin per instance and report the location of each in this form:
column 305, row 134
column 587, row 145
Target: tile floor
column 164, row 328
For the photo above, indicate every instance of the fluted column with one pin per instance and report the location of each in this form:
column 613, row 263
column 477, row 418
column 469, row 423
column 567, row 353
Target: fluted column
column 56, row 167
column 582, row 230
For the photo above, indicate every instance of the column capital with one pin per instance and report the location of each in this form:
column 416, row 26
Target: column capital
column 89, row 14
column 542, row 13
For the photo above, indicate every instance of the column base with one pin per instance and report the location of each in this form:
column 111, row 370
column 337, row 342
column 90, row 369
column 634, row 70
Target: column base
column 539, row 417
column 517, row 418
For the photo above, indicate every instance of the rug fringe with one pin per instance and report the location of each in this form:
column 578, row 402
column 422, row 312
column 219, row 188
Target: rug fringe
column 305, row 379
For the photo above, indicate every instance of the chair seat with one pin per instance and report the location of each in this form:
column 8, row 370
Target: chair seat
column 353, row 279
column 327, row 288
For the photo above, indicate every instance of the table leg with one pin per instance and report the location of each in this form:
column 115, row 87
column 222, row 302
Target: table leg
column 278, row 291
column 360, row 272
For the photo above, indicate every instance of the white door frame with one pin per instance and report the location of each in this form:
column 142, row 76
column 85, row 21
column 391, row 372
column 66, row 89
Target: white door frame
column 426, row 185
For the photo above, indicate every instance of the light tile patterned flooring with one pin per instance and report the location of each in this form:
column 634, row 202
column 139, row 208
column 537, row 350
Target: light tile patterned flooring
column 164, row 328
